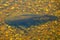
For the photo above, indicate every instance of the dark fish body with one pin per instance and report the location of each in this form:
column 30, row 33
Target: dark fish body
column 28, row 20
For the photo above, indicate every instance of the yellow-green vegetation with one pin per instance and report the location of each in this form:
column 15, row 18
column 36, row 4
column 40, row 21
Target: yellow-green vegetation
column 47, row 31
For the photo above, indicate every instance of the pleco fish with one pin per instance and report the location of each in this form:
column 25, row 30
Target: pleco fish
column 27, row 20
